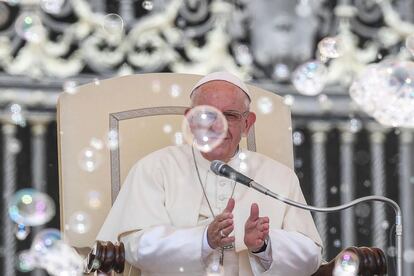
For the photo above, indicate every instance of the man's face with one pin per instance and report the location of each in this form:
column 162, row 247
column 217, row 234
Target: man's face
column 226, row 97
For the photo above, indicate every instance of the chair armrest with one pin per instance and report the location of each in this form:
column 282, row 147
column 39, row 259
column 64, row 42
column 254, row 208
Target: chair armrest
column 372, row 261
column 105, row 257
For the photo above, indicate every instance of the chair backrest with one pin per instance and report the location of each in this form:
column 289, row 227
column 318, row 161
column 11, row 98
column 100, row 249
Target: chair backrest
column 146, row 112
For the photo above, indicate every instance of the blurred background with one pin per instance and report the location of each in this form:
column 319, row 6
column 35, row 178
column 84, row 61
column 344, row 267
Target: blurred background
column 343, row 66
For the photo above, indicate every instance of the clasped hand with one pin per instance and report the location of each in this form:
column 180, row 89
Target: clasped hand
column 256, row 228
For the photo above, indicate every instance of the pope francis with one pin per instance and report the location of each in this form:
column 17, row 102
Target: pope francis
column 176, row 217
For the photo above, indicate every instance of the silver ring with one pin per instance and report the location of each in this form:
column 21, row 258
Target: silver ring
column 222, row 234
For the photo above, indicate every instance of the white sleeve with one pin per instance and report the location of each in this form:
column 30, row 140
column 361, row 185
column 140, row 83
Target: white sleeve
column 206, row 249
column 265, row 257
column 166, row 249
column 293, row 254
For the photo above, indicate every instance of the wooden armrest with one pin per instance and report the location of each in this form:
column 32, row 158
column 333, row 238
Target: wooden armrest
column 105, row 257
column 372, row 261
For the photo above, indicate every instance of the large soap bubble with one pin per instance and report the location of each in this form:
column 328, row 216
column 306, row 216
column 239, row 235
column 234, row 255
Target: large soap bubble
column 45, row 240
column 330, row 47
column 29, row 27
column 31, row 207
column 89, row 159
column 26, row 261
column 79, row 222
column 310, row 77
column 54, row 255
column 113, row 24
column 386, row 92
column 347, row 264
column 205, row 127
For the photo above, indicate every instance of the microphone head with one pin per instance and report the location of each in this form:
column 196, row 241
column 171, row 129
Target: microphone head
column 216, row 165
column 222, row 169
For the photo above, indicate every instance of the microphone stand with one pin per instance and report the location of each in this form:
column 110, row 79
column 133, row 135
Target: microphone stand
column 397, row 210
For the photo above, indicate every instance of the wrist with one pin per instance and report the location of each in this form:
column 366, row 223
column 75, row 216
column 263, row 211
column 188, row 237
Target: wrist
column 261, row 249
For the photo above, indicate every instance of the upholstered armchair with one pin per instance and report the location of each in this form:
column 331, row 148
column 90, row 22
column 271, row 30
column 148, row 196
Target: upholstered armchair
column 145, row 114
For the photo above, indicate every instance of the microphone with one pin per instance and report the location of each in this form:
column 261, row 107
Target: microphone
column 222, row 169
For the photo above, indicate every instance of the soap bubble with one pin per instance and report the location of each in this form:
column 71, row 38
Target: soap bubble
column 409, row 43
column 175, row 91
column 205, row 127
column 310, row 78
column 148, row 5
column 22, row 231
column 265, row 105
column 324, row 102
column 298, row 138
column 330, row 47
column 89, row 159
column 409, row 255
column 14, row 146
column 386, row 92
column 52, row 6
column 17, row 114
column 113, row 24
column 96, row 143
column 337, row 243
column 45, row 240
column 355, row 125
column 385, row 225
column 178, row 138
column 79, row 222
column 94, row 199
column 26, row 261
column 112, row 139
column 288, row 100
column 347, row 264
column 167, row 128
column 281, row 71
column 243, row 167
column 363, row 210
column 242, row 156
column 54, row 255
column 29, row 27
column 156, row 86
column 31, row 208
column 213, row 267
column 70, row 87
column 391, row 251
column 243, row 55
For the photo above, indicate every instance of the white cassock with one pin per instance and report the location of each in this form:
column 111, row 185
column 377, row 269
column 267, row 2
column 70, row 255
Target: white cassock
column 161, row 215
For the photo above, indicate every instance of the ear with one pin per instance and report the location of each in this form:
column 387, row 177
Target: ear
column 187, row 110
column 250, row 120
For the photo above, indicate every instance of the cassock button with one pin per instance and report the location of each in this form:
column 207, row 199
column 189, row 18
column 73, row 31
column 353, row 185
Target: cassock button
column 222, row 183
column 222, row 197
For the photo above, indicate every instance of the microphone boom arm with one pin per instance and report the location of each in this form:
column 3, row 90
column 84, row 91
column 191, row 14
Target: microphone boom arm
column 397, row 210
column 222, row 169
